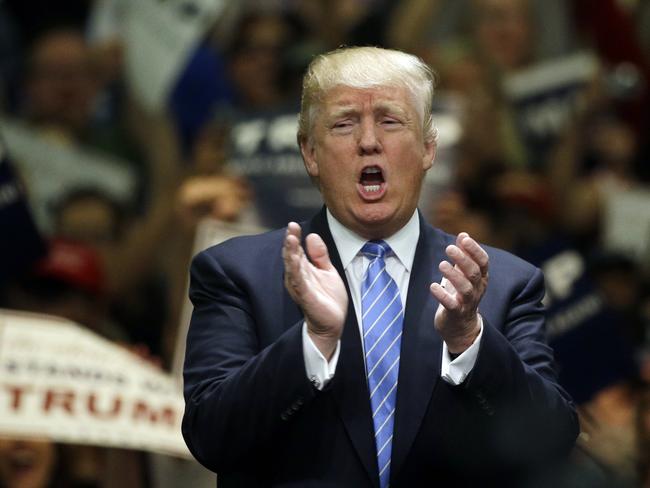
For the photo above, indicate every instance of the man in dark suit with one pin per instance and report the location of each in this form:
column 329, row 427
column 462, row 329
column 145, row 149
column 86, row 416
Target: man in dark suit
column 374, row 351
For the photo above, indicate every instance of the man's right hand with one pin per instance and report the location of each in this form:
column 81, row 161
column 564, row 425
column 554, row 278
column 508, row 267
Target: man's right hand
column 316, row 287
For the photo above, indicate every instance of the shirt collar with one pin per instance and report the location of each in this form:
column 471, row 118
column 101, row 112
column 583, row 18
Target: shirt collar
column 403, row 242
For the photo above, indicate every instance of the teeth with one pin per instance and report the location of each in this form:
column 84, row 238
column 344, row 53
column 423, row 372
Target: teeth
column 372, row 170
column 371, row 188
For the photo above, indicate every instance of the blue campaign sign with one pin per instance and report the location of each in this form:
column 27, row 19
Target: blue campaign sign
column 265, row 151
column 586, row 335
column 20, row 241
column 544, row 98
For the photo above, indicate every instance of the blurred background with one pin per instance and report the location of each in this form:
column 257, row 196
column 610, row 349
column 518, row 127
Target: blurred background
column 124, row 124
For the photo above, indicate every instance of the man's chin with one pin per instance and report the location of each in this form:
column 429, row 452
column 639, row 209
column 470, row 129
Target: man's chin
column 377, row 221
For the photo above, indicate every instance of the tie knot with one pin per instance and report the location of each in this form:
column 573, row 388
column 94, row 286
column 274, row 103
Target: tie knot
column 375, row 249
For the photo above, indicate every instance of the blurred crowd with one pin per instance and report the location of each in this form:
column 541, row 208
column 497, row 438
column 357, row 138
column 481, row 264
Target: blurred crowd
column 571, row 198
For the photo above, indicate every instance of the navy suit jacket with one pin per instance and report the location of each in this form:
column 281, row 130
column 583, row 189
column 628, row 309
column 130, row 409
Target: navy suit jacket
column 253, row 416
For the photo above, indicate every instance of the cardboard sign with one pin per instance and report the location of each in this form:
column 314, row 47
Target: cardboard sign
column 264, row 150
column 627, row 224
column 50, row 169
column 159, row 37
column 545, row 97
column 61, row 381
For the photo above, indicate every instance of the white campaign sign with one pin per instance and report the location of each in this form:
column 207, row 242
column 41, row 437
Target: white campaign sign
column 61, row 381
column 627, row 223
column 159, row 36
column 50, row 168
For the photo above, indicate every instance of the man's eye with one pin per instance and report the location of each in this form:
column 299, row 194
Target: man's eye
column 342, row 124
column 390, row 121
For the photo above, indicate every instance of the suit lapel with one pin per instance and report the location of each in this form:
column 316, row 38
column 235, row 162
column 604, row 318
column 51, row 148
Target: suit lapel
column 420, row 356
column 349, row 387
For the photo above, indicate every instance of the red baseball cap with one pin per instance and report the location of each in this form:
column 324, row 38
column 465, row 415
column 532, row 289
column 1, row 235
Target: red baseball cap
column 75, row 264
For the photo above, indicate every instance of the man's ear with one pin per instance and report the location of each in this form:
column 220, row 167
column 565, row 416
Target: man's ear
column 308, row 150
column 429, row 154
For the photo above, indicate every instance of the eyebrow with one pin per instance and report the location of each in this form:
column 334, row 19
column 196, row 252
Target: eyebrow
column 390, row 108
column 341, row 112
column 380, row 108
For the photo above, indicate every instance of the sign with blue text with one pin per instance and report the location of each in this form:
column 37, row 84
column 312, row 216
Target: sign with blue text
column 545, row 97
column 581, row 328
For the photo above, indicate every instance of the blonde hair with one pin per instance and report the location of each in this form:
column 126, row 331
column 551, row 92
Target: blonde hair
column 366, row 67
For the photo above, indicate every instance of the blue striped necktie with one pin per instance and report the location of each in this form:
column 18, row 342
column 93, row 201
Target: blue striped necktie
column 382, row 332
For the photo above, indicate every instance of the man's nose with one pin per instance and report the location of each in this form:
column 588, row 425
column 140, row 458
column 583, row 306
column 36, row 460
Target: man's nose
column 369, row 142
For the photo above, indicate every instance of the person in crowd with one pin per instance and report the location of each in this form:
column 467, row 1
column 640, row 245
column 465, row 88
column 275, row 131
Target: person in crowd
column 63, row 84
column 69, row 282
column 600, row 161
column 123, row 235
column 142, row 305
column 41, row 463
column 61, row 102
column 31, row 464
column 258, row 61
column 60, row 87
column 364, row 347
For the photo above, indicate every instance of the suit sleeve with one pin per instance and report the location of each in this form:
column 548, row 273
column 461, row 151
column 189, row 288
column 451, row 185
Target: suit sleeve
column 514, row 380
column 238, row 396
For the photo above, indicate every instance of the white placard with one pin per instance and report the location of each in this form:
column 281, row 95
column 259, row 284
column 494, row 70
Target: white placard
column 627, row 224
column 544, row 98
column 159, row 36
column 50, row 169
column 61, row 381
column 547, row 76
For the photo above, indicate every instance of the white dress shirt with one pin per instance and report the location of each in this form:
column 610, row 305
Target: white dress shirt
column 398, row 266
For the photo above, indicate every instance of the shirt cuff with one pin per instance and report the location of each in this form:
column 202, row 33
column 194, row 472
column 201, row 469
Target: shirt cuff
column 455, row 371
column 319, row 370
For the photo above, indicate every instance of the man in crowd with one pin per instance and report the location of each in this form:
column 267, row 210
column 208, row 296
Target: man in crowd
column 376, row 350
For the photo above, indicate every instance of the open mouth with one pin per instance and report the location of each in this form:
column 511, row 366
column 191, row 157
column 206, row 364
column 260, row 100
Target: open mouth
column 371, row 182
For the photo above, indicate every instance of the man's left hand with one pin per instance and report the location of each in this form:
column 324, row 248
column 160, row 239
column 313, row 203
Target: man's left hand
column 457, row 318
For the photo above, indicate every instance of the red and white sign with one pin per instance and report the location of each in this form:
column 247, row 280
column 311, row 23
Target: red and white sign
column 61, row 381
